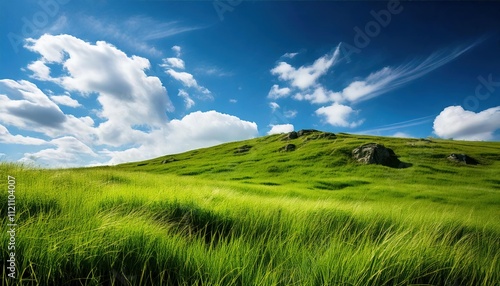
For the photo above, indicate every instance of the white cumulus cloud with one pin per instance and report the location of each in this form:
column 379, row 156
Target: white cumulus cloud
column 457, row 123
column 40, row 70
column 401, row 135
column 185, row 78
column 280, row 128
column 195, row 130
column 188, row 81
column 68, row 152
column 304, row 82
column 187, row 99
column 177, row 50
column 319, row 95
column 131, row 108
column 173, row 63
column 24, row 105
column 6, row 137
column 274, row 106
column 119, row 80
column 65, row 100
column 307, row 75
column 277, row 92
column 338, row 115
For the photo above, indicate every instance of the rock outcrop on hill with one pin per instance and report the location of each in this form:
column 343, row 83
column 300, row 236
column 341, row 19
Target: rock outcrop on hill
column 288, row 148
column 306, row 131
column 291, row 135
column 373, row 153
column 169, row 160
column 312, row 134
column 242, row 149
column 322, row 135
column 307, row 134
column 462, row 158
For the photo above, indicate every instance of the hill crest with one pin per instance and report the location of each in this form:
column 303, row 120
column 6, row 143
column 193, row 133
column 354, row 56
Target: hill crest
column 321, row 155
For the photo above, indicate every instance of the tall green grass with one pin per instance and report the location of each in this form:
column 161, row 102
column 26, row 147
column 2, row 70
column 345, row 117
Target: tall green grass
column 431, row 224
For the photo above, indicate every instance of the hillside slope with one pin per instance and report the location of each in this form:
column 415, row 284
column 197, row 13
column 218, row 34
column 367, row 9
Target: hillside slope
column 323, row 161
column 259, row 213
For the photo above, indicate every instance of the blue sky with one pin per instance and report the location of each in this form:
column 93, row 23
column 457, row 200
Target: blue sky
column 104, row 82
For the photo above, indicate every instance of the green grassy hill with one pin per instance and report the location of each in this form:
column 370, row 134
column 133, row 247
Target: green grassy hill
column 251, row 213
column 325, row 164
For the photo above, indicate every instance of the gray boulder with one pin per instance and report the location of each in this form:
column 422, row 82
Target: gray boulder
column 306, row 131
column 373, row 153
column 462, row 158
column 290, row 136
column 288, row 148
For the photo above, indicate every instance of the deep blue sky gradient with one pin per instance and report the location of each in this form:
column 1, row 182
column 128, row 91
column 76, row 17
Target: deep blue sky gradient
column 251, row 39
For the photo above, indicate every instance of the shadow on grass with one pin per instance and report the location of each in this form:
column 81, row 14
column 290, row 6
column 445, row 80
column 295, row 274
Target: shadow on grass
column 191, row 220
column 436, row 170
column 31, row 207
column 333, row 186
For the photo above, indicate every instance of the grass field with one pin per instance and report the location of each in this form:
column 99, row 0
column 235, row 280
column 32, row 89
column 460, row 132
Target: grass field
column 244, row 213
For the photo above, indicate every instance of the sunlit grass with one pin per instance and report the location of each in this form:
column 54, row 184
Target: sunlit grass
column 431, row 224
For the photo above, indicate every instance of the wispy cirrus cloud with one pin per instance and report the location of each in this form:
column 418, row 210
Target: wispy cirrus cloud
column 303, row 83
column 212, row 70
column 398, row 125
column 389, row 78
column 290, row 113
column 136, row 31
column 289, row 55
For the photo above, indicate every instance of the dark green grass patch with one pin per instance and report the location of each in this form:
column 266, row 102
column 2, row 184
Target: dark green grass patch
column 270, row 184
column 190, row 219
column 334, row 185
